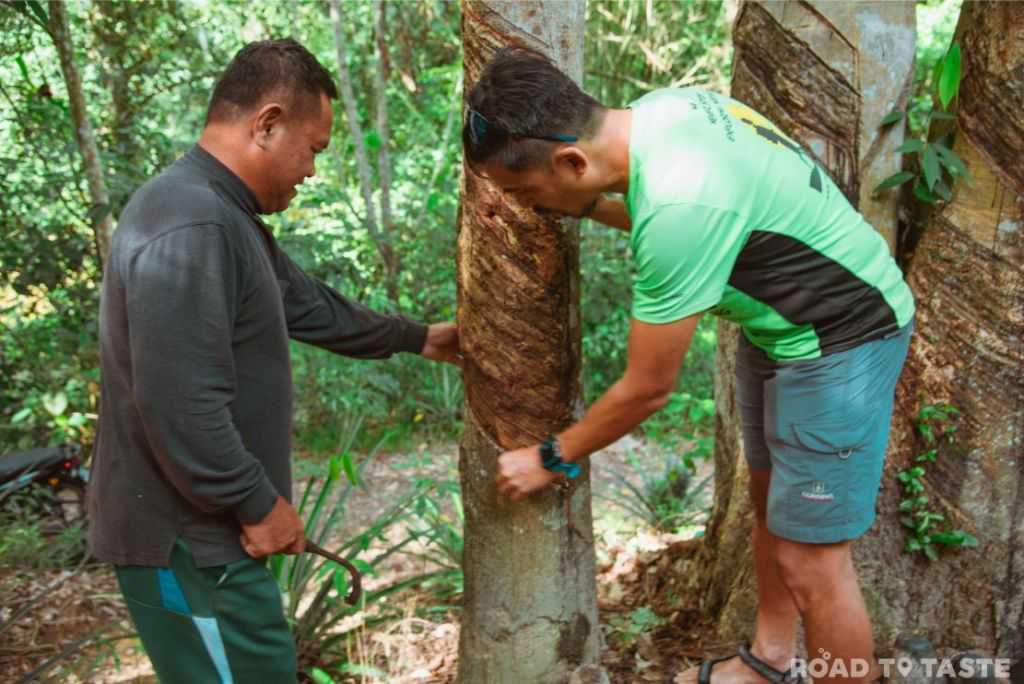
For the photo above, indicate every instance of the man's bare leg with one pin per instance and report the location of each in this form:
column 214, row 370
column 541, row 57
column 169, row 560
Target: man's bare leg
column 775, row 634
column 823, row 582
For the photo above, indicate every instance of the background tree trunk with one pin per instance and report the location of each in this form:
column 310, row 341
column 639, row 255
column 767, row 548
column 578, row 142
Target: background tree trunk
column 968, row 351
column 99, row 213
column 826, row 73
column 379, row 231
column 529, row 607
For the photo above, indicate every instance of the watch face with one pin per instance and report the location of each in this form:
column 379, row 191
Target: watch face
column 548, row 454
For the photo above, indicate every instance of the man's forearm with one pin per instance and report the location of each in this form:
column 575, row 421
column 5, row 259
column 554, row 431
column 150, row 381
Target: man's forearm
column 319, row 315
column 619, row 410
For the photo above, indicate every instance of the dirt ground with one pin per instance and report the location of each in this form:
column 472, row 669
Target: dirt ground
column 410, row 649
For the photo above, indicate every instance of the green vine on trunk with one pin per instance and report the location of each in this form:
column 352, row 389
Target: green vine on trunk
column 935, row 167
column 936, row 423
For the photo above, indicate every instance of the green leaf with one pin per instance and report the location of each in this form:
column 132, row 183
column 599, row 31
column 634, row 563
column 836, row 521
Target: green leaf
column 21, row 415
column 930, row 551
column 350, row 468
column 277, row 562
column 372, row 140
column 949, row 81
column 943, row 191
column 55, row 403
column 894, row 180
column 23, row 69
column 891, row 118
column 37, row 9
column 952, row 538
column 930, row 166
column 321, row 677
column 911, row 145
column 356, row 668
column 906, row 504
column 334, row 469
column 33, row 10
column 921, row 192
column 341, row 581
column 951, row 160
column 363, row 567
column 937, row 74
column 916, row 471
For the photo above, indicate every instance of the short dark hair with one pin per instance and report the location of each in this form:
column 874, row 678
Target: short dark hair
column 269, row 68
column 521, row 94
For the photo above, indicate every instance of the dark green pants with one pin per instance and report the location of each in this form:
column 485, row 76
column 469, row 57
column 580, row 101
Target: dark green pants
column 219, row 625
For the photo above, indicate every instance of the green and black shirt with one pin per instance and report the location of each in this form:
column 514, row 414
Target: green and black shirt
column 732, row 217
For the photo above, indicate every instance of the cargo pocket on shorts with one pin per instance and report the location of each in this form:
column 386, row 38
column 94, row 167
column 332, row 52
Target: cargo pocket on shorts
column 825, row 467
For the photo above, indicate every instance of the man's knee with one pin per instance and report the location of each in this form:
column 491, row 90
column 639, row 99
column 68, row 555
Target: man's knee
column 812, row 572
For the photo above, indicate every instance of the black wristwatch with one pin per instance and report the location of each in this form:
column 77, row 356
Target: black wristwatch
column 551, row 459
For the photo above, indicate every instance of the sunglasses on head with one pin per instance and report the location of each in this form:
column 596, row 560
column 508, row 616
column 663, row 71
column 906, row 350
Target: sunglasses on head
column 479, row 127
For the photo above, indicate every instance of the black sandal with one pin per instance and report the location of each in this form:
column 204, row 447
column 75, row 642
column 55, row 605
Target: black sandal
column 754, row 663
column 704, row 674
column 762, row 668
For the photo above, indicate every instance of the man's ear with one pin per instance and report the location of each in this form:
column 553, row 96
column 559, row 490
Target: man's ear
column 571, row 159
column 266, row 123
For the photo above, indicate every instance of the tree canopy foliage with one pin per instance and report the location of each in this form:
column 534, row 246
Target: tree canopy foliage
column 385, row 236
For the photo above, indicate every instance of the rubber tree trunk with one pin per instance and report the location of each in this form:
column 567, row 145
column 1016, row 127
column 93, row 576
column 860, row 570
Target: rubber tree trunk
column 99, row 213
column 826, row 73
column 968, row 351
column 529, row 607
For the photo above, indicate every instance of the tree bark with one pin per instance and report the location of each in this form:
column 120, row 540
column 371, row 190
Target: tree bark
column 968, row 351
column 826, row 73
column 102, row 221
column 380, row 83
column 529, row 608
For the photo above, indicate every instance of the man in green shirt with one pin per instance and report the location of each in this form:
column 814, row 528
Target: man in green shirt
column 728, row 216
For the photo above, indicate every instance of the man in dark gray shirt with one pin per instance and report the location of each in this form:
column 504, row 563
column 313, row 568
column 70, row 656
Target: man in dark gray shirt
column 191, row 472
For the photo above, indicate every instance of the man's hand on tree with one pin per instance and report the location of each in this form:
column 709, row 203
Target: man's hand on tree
column 281, row 531
column 442, row 343
column 520, row 473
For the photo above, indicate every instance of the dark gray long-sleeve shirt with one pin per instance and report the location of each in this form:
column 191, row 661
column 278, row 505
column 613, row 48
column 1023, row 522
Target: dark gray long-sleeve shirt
column 197, row 306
